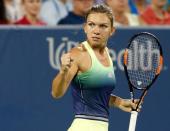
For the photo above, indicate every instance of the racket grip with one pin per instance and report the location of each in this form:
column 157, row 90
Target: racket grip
column 133, row 119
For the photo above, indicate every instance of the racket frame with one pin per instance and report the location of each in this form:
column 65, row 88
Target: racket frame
column 134, row 112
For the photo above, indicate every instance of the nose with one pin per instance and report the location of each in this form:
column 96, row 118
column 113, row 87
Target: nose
column 97, row 30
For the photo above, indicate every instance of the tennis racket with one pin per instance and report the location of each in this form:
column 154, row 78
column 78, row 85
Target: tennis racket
column 143, row 61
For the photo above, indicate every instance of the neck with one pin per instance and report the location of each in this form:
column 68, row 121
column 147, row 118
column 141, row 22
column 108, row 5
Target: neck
column 32, row 19
column 99, row 48
column 100, row 51
column 141, row 5
column 78, row 13
column 63, row 1
column 118, row 13
column 140, row 2
column 121, row 18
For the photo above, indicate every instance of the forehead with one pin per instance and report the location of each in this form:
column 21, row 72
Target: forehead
column 98, row 18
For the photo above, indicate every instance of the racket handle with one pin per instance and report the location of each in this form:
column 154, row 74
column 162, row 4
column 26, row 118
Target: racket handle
column 133, row 119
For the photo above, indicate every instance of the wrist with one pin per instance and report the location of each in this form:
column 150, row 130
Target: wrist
column 63, row 70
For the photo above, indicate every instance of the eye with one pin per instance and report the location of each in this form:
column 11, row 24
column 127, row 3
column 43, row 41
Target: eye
column 103, row 26
column 91, row 24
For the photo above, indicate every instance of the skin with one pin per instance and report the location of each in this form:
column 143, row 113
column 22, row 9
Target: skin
column 159, row 3
column 81, row 7
column 98, row 29
column 158, row 6
column 63, row 1
column 141, row 5
column 32, row 9
column 119, row 8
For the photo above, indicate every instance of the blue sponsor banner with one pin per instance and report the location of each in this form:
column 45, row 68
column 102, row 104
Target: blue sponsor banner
column 30, row 59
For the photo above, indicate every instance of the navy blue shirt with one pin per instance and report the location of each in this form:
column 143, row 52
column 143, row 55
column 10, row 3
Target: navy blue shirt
column 72, row 18
column 91, row 90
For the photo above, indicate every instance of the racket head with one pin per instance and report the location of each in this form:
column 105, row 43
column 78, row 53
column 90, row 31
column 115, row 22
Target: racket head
column 143, row 60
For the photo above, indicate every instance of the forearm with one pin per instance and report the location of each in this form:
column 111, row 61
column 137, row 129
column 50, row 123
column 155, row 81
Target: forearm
column 69, row 68
column 124, row 104
column 59, row 85
column 115, row 101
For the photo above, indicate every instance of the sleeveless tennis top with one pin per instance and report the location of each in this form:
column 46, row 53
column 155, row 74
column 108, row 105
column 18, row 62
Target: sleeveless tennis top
column 91, row 89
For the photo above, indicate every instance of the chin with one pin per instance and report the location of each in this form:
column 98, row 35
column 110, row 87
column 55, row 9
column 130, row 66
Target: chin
column 95, row 44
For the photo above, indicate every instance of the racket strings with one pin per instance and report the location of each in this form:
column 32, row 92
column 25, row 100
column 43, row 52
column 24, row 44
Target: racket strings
column 143, row 60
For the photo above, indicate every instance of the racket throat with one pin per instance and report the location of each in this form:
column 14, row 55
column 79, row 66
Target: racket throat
column 132, row 96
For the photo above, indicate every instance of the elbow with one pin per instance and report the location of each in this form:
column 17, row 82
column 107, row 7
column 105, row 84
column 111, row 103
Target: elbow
column 56, row 95
column 57, row 90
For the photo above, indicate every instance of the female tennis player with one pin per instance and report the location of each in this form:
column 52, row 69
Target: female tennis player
column 89, row 68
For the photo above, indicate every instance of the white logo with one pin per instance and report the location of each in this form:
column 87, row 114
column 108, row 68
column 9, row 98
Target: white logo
column 56, row 52
column 110, row 75
column 139, row 83
column 141, row 57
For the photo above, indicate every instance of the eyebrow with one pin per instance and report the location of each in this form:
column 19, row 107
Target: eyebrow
column 98, row 23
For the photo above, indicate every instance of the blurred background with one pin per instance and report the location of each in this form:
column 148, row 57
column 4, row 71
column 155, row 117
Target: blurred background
column 33, row 36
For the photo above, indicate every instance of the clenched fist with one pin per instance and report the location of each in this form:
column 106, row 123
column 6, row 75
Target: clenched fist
column 66, row 62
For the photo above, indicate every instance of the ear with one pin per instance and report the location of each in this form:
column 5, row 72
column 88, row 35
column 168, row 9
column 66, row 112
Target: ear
column 112, row 31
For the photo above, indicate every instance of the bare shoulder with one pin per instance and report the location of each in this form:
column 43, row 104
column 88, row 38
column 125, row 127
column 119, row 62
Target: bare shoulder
column 78, row 53
column 81, row 58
